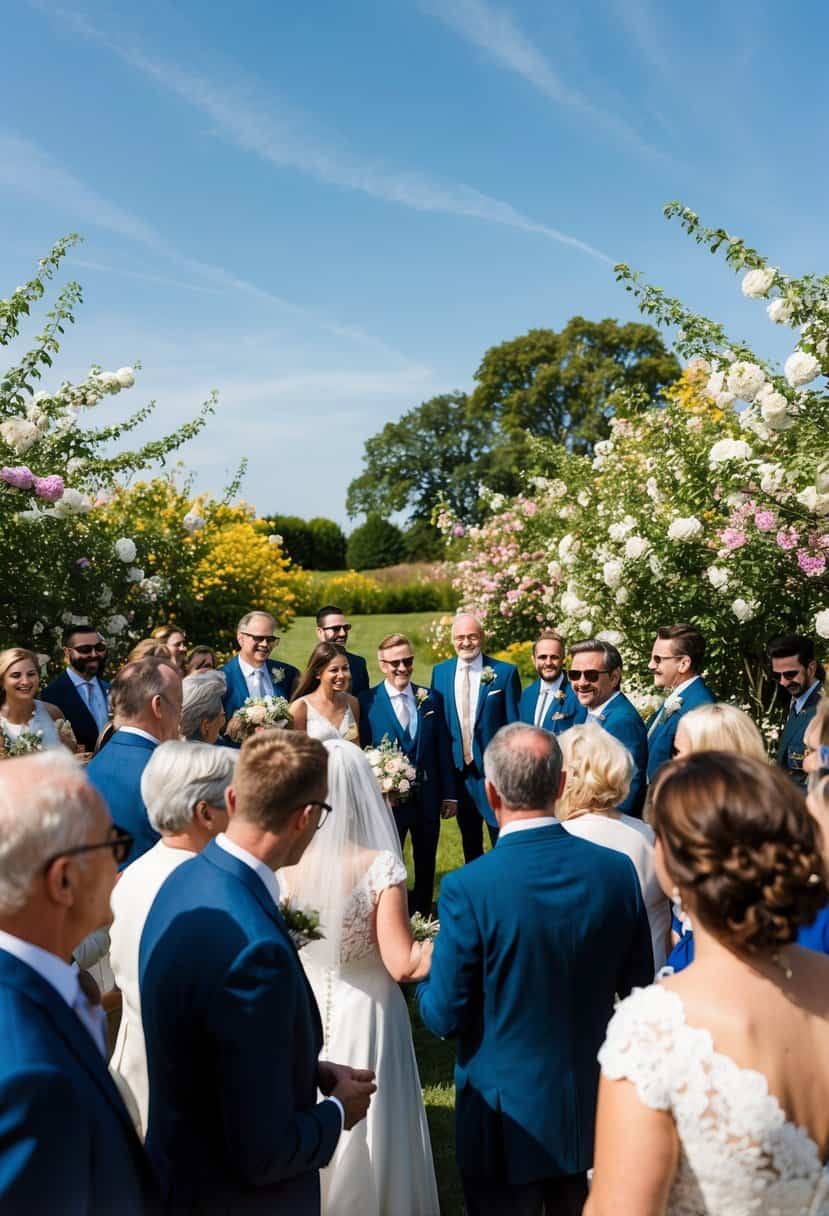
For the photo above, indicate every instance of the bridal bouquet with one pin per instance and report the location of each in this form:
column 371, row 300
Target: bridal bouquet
column 424, row 928
column 27, row 741
column 258, row 714
column 303, row 923
column 395, row 775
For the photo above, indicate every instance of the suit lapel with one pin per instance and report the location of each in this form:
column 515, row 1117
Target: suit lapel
column 484, row 689
column 449, row 695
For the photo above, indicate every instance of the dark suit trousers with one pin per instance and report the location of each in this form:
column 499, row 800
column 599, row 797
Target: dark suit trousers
column 469, row 818
column 409, row 818
column 564, row 1196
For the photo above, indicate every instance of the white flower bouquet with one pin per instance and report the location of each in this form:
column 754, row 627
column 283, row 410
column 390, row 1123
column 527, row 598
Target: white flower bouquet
column 424, row 928
column 395, row 775
column 27, row 741
column 258, row 714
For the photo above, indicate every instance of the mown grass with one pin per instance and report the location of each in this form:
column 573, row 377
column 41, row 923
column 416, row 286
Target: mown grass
column 300, row 639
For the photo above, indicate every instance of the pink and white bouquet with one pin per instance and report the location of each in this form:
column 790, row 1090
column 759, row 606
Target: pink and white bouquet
column 395, row 775
column 258, row 714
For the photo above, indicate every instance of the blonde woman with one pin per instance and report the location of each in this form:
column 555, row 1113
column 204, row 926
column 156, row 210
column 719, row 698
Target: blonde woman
column 20, row 711
column 719, row 727
column 598, row 771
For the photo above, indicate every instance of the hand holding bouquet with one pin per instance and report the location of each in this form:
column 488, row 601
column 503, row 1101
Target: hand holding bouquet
column 258, row 714
column 395, row 775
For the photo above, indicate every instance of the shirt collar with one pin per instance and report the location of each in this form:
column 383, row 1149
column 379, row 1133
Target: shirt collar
column 599, row 709
column 551, row 685
column 63, row 977
column 267, row 875
column 77, row 680
column 476, row 664
column 804, row 696
column 248, row 670
column 136, row 730
column 393, row 692
column 681, row 687
column 526, row 825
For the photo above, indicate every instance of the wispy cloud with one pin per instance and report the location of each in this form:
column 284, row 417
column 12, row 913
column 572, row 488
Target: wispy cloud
column 142, row 276
column 289, row 140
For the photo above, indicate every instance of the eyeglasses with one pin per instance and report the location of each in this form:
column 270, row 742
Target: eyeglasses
column 259, row 638
column 786, row 675
column 466, row 637
column 325, row 811
column 591, row 676
column 656, row 659
column 90, row 648
column 120, row 845
column 336, row 629
column 408, row 663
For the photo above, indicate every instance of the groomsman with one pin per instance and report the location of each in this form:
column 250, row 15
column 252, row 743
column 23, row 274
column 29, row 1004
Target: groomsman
column 413, row 717
column 480, row 695
column 550, row 702
column 793, row 663
column 595, row 675
column 676, row 661
column 80, row 692
column 252, row 672
column 333, row 627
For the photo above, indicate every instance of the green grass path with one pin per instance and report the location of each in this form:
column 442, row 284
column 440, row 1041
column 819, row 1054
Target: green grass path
column 299, row 640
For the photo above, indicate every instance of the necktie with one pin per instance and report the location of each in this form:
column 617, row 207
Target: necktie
column 257, row 683
column 542, row 707
column 466, row 715
column 403, row 711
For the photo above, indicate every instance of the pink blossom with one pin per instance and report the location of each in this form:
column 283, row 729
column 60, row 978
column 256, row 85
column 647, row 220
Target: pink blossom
column 51, row 488
column 513, row 596
column 530, row 508
column 459, row 530
column 84, row 563
column 765, row 521
column 787, row 538
column 809, row 564
column 19, row 477
column 732, row 538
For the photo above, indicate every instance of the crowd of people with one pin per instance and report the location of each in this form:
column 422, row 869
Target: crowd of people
column 207, row 956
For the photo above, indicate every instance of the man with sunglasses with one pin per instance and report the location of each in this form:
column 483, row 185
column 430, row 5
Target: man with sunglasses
column 67, row 1144
column 413, row 717
column 333, row 627
column 595, row 677
column 676, row 661
column 252, row 672
column 80, row 693
column 794, row 665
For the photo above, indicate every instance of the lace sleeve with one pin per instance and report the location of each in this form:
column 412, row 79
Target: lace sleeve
column 385, row 871
column 640, row 1041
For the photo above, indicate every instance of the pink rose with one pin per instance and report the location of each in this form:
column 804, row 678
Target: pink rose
column 20, row 477
column 733, row 539
column 787, row 538
column 765, row 521
column 811, row 565
column 50, row 488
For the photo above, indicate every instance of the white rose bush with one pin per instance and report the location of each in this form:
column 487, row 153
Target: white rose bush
column 713, row 509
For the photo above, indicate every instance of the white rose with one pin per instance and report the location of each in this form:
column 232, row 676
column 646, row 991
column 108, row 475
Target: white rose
column 822, row 623
column 75, row 465
column 655, row 566
column 729, row 449
column 716, row 384
column 554, row 570
column 652, row 489
column 567, row 545
column 582, row 498
column 685, row 528
column 744, row 610
column 557, row 488
column 135, row 574
column 72, row 502
column 586, row 628
column 274, row 539
column 724, row 401
column 618, row 532
column 19, row 434
column 612, row 574
column 125, row 377
column 192, row 522
column 774, row 408
column 717, row 577
column 125, row 549
column 771, row 477
column 109, row 380
column 745, row 380
column 571, row 604
column 779, row 311
column 808, row 498
column 404, row 786
column 636, row 547
column 622, row 595
column 801, row 368
column 756, row 283
column 612, row 636
column 116, row 624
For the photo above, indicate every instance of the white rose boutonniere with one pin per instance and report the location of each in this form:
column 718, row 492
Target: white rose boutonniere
column 277, row 674
column 672, row 704
column 559, row 695
column 487, row 675
column 421, row 696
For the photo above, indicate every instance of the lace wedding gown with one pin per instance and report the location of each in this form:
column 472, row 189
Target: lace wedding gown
column 739, row 1154
column 383, row 1166
column 319, row 727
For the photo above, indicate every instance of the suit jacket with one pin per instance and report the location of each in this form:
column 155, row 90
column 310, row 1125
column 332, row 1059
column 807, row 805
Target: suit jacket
column 63, row 693
column 359, row 673
column 559, row 715
column 116, row 774
column 792, row 746
column 622, row 720
column 66, row 1141
column 430, row 752
column 535, row 939
column 663, row 729
column 233, row 1035
column 238, row 692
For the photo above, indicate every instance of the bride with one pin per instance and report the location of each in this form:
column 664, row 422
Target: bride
column 321, row 705
column 353, row 875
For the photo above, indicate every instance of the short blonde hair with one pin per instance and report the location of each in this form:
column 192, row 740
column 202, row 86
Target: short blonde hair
column 8, row 658
column 598, row 770
column 723, row 728
column 392, row 640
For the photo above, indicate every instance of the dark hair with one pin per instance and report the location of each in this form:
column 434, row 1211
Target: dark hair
column 71, row 631
column 328, row 610
column 277, row 773
column 196, row 652
column 322, row 654
column 742, row 848
column 524, row 764
column 612, row 658
column 165, row 632
column 688, row 641
column 136, row 684
column 550, row 635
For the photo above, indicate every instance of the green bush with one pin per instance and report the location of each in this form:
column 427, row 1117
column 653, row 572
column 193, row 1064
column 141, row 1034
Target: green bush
column 377, row 542
column 424, row 542
column 314, row 544
column 357, row 593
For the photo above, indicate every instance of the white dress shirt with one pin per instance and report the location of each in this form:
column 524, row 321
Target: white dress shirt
column 546, row 691
column 257, row 687
column 136, row 730
column 398, row 699
column 593, row 715
column 526, row 825
column 800, row 701
column 63, row 977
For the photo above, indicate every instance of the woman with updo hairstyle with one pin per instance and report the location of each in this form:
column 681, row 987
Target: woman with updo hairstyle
column 150, row 648
column 718, row 728
column 714, row 1093
column 175, row 639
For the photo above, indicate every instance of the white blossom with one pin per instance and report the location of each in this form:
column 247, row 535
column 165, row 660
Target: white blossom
column 745, row 380
column 756, row 283
column 109, row 380
column 612, row 636
column 655, row 566
column 801, row 368
column 192, row 522
column 779, row 311
column 685, row 528
column 652, row 489
column 125, row 549
column 715, row 385
column 568, row 544
column 622, row 595
column 105, row 596
column 116, row 624
column 19, row 434
column 74, row 466
column 813, row 501
column 571, row 604
column 729, row 449
column 125, row 377
column 72, row 502
column 135, row 574
column 774, row 408
column 718, row 577
column 612, row 573
column 636, row 547
column 724, row 400
column 274, row 539
column 619, row 531
column 771, row 477
column 822, row 623
column 586, row 627
column 582, row 498
column 744, row 610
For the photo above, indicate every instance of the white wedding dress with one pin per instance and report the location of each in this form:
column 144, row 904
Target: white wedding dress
column 319, row 727
column 739, row 1154
column 41, row 720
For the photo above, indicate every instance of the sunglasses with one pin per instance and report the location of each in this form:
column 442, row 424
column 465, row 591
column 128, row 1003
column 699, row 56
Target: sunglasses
column 90, row 648
column 259, row 638
column 395, row 663
column 336, row 628
column 785, row 675
column 120, row 845
column 591, row 676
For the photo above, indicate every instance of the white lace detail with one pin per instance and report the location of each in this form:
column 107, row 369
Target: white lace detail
column 739, row 1155
column 320, row 727
column 359, row 936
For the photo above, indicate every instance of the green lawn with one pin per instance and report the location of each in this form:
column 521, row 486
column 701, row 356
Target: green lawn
column 299, row 640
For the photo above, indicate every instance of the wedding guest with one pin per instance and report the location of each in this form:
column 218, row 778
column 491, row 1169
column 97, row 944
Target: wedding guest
column 183, row 787
column 353, row 874
column 412, row 716
column 333, row 627
column 80, row 692
column 67, row 1143
column 596, row 676
column 202, row 706
column 480, row 695
column 200, row 658
column 148, row 697
column 321, row 705
column 714, row 1094
column 550, row 702
column 816, row 764
column 599, row 770
column 801, row 677
column 536, row 939
column 151, row 648
column 22, row 715
column 252, row 673
column 175, row 639
column 676, row 662
column 232, row 1031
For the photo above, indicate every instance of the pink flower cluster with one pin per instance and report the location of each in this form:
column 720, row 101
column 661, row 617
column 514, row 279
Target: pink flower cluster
column 733, row 538
column 765, row 521
column 788, row 538
column 50, row 488
column 19, row 477
column 811, row 564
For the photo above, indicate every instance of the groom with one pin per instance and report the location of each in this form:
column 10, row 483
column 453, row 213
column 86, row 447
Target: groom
column 252, row 673
column 232, row 1029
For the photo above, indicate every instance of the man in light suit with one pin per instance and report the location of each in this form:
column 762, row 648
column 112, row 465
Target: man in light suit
column 412, row 717
column 333, row 627
column 148, row 695
column 480, row 695
column 550, row 702
column 596, row 674
column 801, row 677
column 232, row 1029
column 676, row 662
column 252, row 672
column 80, row 692
column 536, row 938
column 66, row 1141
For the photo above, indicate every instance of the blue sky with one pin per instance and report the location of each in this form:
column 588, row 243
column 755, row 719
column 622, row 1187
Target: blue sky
column 329, row 211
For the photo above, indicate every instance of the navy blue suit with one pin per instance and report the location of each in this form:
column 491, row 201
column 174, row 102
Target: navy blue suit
column 662, row 730
column 497, row 706
column 233, row 1036
column 67, row 1144
column 559, row 714
column 535, row 939
column 359, row 673
column 430, row 753
column 792, row 746
column 116, row 774
column 238, row 691
column 63, row 693
column 622, row 720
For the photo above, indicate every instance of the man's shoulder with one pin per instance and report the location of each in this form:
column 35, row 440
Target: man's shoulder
column 697, row 693
column 355, row 658
column 623, row 709
column 60, row 684
column 444, row 666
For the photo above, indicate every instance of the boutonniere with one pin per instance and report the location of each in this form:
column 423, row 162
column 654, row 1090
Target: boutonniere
column 487, row 675
column 672, row 705
column 277, row 674
column 559, row 695
column 557, row 717
column 421, row 696
column 303, row 924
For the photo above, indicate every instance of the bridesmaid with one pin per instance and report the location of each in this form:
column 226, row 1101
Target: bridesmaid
column 20, row 711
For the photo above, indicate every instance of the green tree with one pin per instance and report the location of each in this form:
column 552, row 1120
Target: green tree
column 377, row 542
